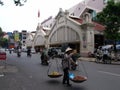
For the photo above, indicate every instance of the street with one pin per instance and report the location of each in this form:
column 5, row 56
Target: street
column 29, row 74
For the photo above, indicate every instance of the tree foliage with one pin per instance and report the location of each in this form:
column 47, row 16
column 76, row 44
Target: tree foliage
column 3, row 41
column 16, row 2
column 1, row 33
column 110, row 17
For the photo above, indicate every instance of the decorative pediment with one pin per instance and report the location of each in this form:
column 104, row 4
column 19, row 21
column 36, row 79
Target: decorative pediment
column 61, row 20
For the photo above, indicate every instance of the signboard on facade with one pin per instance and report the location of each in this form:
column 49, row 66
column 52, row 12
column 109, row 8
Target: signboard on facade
column 16, row 37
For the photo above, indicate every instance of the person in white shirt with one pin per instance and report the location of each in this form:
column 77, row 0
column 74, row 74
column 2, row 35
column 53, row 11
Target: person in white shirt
column 105, row 55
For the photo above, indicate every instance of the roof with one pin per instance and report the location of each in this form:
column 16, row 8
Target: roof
column 79, row 8
column 97, row 27
column 77, row 19
column 46, row 28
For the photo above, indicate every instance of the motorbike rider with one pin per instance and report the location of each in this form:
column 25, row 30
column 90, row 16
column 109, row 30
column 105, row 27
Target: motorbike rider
column 99, row 54
column 44, row 57
column 106, row 55
column 18, row 51
column 10, row 51
column 29, row 52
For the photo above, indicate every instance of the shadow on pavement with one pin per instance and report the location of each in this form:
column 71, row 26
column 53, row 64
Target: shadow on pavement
column 53, row 82
column 73, row 87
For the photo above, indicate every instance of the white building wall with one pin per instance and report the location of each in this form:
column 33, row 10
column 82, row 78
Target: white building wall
column 29, row 40
column 39, row 39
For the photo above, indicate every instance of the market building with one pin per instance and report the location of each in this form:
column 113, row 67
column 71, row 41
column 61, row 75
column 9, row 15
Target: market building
column 74, row 32
column 67, row 29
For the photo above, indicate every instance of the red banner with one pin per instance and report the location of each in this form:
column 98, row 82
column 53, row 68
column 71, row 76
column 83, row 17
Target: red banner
column 2, row 56
column 38, row 13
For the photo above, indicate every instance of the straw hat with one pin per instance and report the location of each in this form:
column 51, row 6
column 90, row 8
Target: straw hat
column 68, row 49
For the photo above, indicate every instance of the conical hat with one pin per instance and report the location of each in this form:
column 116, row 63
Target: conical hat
column 68, row 49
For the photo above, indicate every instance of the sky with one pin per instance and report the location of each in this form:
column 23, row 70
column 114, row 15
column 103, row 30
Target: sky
column 26, row 17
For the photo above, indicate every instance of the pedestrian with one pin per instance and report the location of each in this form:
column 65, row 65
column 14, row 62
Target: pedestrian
column 67, row 60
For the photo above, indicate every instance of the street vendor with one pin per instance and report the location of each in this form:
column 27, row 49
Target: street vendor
column 67, row 60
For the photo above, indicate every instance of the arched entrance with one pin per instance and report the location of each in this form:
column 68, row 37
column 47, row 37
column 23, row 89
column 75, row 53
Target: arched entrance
column 65, row 37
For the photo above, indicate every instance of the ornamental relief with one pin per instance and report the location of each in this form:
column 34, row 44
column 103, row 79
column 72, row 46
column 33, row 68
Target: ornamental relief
column 61, row 20
column 64, row 34
column 39, row 40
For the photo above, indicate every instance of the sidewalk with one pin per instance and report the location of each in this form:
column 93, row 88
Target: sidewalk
column 87, row 59
column 90, row 59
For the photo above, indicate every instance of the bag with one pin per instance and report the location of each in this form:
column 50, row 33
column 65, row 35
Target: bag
column 71, row 75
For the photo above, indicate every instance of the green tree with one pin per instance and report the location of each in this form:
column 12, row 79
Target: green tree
column 110, row 18
column 1, row 33
column 3, row 41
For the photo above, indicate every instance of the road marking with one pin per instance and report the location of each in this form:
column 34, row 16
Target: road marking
column 1, row 75
column 114, row 74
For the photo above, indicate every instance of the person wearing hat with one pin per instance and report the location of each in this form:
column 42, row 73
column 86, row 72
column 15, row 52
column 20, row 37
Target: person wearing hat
column 67, row 60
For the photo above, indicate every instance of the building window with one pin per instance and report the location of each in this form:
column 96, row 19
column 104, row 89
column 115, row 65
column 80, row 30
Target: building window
column 72, row 14
column 50, row 25
column 24, row 34
column 23, row 41
column 24, row 37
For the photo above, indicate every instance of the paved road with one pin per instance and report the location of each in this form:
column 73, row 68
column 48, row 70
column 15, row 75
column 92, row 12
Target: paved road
column 28, row 74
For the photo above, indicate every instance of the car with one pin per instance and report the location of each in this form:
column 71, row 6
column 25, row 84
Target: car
column 110, row 46
column 106, row 47
column 118, row 47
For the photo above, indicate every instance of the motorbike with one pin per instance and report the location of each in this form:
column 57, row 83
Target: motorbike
column 10, row 51
column 44, row 59
column 29, row 54
column 18, row 54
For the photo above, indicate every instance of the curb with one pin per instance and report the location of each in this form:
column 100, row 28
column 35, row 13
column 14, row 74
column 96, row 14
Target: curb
column 87, row 59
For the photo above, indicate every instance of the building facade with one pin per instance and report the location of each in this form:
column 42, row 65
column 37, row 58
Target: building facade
column 75, row 30
column 24, row 35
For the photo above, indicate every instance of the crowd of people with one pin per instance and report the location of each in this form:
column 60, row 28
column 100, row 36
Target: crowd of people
column 103, row 55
